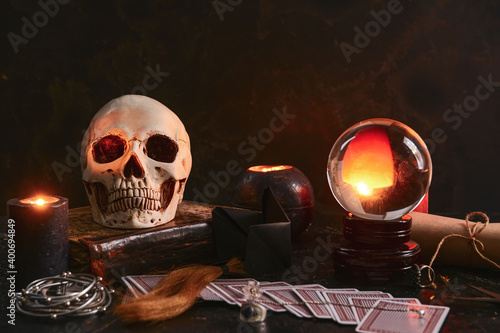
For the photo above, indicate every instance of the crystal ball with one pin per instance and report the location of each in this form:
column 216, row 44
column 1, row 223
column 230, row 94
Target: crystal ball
column 379, row 169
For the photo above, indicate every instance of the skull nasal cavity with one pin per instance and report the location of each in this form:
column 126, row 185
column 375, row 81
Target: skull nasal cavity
column 133, row 168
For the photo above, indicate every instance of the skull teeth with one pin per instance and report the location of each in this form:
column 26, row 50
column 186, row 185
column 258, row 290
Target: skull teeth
column 134, row 193
column 134, row 203
column 123, row 199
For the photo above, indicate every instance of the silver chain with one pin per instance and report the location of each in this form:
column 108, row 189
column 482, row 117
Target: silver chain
column 65, row 294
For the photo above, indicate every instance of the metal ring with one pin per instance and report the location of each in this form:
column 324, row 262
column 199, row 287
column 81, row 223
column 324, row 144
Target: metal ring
column 431, row 275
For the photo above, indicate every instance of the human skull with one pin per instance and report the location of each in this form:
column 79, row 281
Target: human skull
column 136, row 159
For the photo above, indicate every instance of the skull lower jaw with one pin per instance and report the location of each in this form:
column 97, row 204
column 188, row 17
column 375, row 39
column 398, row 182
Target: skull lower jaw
column 135, row 207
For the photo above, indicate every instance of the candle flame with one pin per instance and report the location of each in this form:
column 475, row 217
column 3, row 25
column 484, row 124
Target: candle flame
column 39, row 200
column 368, row 162
column 269, row 168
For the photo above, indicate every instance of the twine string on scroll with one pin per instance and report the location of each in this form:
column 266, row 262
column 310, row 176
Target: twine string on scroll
column 473, row 233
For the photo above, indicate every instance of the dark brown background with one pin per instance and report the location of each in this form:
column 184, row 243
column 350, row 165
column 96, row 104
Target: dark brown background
column 225, row 78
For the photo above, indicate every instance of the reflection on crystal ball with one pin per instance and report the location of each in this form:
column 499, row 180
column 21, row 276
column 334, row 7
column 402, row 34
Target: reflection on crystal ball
column 379, row 169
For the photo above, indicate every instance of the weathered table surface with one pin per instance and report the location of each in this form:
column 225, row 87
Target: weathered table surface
column 311, row 264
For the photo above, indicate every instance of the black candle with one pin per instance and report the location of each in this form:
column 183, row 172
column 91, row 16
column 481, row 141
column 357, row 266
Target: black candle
column 39, row 226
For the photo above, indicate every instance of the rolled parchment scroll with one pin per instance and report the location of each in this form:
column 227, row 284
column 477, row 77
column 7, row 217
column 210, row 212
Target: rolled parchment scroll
column 428, row 230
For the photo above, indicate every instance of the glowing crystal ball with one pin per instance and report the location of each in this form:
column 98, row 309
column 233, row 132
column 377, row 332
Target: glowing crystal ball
column 379, row 169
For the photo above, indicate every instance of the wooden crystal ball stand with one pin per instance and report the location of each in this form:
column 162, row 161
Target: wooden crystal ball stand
column 375, row 250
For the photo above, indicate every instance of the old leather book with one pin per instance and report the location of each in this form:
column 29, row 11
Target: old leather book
column 112, row 253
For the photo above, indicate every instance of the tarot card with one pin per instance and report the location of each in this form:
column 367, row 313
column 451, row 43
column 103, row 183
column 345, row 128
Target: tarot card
column 221, row 288
column 361, row 306
column 378, row 320
column 132, row 291
column 340, row 309
column 266, row 300
column 208, row 295
column 312, row 298
column 287, row 295
column 128, row 296
column 143, row 284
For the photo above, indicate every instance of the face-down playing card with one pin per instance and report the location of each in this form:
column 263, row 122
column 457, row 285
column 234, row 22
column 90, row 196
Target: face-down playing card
column 221, row 288
column 340, row 308
column 286, row 295
column 142, row 284
column 361, row 306
column 315, row 301
column 264, row 299
column 402, row 318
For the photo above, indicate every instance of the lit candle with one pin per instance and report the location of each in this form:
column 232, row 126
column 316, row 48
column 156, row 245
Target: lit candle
column 269, row 168
column 40, row 230
column 290, row 186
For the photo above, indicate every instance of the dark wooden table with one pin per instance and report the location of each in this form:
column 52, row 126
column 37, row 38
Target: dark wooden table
column 311, row 264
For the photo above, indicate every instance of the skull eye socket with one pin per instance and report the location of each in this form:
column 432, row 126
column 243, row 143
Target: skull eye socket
column 161, row 148
column 108, row 149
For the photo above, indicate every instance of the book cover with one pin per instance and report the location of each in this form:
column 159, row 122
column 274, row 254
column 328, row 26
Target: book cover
column 112, row 253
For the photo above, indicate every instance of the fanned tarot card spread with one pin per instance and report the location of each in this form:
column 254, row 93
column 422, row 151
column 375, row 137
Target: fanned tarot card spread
column 371, row 311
